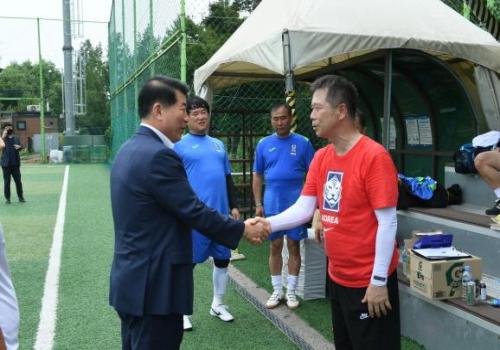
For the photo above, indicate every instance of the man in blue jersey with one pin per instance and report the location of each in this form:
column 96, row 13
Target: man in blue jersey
column 209, row 174
column 281, row 161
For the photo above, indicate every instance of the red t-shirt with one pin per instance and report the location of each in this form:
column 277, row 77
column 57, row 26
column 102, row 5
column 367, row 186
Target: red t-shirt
column 348, row 189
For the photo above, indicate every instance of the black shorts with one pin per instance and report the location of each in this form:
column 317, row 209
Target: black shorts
column 354, row 329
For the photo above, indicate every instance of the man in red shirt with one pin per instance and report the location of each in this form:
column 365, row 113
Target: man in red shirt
column 353, row 182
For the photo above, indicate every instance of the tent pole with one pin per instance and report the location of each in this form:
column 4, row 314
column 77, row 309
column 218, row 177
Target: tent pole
column 386, row 129
column 289, row 83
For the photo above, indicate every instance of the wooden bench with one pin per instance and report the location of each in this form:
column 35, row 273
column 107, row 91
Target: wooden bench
column 483, row 311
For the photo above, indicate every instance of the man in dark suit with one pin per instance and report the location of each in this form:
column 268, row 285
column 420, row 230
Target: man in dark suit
column 154, row 210
column 11, row 163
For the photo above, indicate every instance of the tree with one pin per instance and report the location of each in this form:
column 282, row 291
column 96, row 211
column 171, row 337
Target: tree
column 206, row 38
column 22, row 80
column 247, row 5
column 494, row 7
column 97, row 88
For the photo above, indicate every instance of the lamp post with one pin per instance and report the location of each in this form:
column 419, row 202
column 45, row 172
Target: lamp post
column 42, row 98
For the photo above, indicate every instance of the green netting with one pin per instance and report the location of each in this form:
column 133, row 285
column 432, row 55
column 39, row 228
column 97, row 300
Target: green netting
column 98, row 154
column 81, row 154
column 138, row 31
column 146, row 39
column 68, row 154
column 241, row 117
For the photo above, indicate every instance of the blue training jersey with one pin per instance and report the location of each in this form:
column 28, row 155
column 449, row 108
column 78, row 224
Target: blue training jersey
column 207, row 165
column 283, row 162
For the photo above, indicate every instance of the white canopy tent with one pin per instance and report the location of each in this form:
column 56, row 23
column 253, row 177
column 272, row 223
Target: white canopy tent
column 332, row 31
column 326, row 32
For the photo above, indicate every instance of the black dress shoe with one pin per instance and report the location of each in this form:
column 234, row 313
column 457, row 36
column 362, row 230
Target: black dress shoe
column 21, row 200
column 7, row 201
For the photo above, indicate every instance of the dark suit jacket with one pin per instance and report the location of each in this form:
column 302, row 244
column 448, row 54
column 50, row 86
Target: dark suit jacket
column 10, row 155
column 154, row 209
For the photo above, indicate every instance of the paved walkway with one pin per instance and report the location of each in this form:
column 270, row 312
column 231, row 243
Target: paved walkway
column 295, row 328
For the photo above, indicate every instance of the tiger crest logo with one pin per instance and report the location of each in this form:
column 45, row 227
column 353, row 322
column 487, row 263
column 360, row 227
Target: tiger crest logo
column 332, row 191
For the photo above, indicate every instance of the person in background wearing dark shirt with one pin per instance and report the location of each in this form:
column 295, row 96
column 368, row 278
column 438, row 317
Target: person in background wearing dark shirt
column 11, row 163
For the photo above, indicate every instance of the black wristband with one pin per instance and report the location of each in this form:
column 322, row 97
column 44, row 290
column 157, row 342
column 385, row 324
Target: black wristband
column 231, row 195
column 380, row 279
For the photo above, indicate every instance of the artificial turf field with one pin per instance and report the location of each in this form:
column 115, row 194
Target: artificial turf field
column 84, row 319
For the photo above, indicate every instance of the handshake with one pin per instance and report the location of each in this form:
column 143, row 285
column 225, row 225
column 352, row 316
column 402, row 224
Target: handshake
column 257, row 230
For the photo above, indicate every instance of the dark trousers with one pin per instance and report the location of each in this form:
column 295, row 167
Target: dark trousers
column 15, row 172
column 151, row 332
column 353, row 329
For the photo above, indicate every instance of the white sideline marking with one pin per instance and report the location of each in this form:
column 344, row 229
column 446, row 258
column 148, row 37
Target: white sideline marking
column 46, row 327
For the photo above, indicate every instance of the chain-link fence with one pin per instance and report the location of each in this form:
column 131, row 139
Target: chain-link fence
column 240, row 119
column 146, row 38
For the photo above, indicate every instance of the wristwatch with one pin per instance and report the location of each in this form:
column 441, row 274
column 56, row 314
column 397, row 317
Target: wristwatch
column 380, row 279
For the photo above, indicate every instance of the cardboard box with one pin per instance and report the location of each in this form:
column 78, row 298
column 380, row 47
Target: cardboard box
column 441, row 279
column 408, row 246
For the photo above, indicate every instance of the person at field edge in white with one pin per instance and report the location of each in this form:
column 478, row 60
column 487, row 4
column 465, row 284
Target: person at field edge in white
column 9, row 309
column 281, row 161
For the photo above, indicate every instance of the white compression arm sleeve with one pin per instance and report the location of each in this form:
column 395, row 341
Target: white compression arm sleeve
column 384, row 246
column 298, row 214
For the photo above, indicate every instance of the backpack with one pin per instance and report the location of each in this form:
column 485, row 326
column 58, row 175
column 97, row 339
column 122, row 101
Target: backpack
column 440, row 199
column 464, row 158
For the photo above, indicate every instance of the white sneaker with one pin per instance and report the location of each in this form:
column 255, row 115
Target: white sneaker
column 236, row 255
column 274, row 300
column 291, row 300
column 188, row 326
column 221, row 312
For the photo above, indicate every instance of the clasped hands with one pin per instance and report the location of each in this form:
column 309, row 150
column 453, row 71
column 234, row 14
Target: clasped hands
column 257, row 230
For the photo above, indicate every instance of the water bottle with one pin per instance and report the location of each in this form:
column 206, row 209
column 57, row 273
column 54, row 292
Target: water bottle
column 494, row 302
column 466, row 278
column 471, row 293
column 405, row 259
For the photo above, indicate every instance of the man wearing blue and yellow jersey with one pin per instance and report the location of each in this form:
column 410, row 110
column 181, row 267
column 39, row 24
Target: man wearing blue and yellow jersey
column 281, row 162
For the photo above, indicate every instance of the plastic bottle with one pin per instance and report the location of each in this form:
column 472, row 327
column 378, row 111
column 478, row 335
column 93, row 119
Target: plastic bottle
column 405, row 260
column 478, row 289
column 482, row 292
column 471, row 293
column 494, row 302
column 466, row 278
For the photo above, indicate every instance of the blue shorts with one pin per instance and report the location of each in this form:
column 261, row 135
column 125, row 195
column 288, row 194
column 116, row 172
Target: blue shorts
column 279, row 197
column 296, row 234
column 204, row 247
